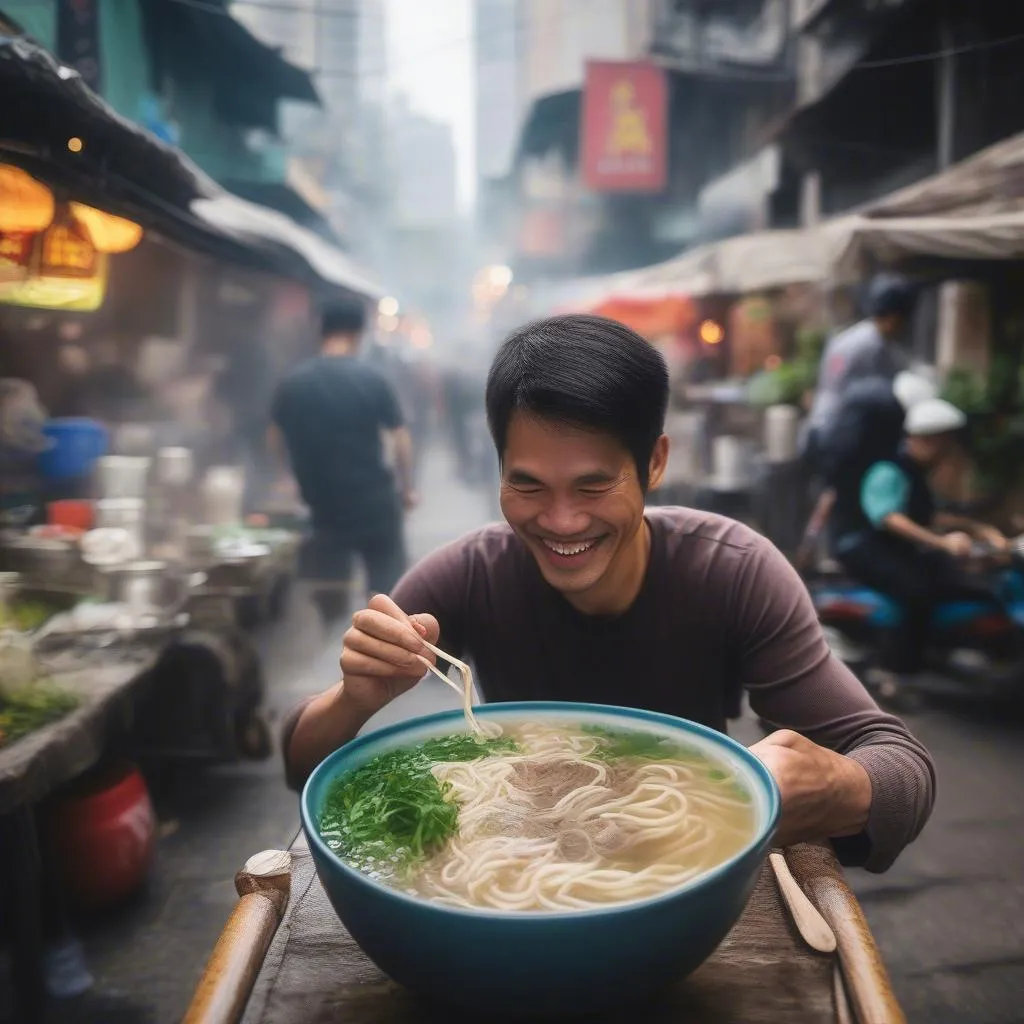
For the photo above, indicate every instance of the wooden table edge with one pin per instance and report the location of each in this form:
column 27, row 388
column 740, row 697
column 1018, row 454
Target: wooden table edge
column 867, row 982
column 264, row 888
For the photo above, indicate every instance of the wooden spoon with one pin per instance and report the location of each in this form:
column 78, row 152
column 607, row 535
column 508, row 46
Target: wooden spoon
column 811, row 925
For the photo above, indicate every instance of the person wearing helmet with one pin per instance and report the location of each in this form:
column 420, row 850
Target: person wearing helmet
column 885, row 529
column 873, row 407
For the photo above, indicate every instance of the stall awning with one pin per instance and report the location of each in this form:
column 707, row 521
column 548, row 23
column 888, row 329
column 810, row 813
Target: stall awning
column 553, row 122
column 248, row 78
column 125, row 170
column 987, row 238
column 260, row 226
column 736, row 266
column 990, row 182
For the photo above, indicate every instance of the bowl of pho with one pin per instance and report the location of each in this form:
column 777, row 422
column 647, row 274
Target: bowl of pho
column 551, row 857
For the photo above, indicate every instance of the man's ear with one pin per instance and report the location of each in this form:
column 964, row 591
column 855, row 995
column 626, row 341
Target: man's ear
column 658, row 464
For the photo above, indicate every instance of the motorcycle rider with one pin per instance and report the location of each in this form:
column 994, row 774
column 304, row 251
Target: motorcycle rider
column 885, row 529
column 842, row 436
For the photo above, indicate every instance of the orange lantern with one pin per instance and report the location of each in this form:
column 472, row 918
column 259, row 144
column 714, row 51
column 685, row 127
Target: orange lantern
column 107, row 233
column 67, row 251
column 26, row 205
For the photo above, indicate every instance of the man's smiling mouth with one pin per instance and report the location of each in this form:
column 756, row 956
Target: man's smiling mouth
column 570, row 549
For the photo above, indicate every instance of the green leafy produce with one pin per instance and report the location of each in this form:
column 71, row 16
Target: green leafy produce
column 794, row 377
column 993, row 402
column 30, row 709
column 24, row 616
column 391, row 812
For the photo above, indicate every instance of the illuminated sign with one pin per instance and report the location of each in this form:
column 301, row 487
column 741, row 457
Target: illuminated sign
column 624, row 129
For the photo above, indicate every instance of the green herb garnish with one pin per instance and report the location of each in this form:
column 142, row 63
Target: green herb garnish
column 619, row 743
column 391, row 811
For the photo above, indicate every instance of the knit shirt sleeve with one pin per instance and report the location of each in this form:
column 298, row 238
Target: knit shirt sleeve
column 795, row 682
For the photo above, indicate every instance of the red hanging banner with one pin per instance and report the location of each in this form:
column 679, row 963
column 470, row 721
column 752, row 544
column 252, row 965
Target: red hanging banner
column 625, row 127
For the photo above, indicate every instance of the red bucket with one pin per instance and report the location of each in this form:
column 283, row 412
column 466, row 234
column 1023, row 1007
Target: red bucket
column 78, row 515
column 102, row 832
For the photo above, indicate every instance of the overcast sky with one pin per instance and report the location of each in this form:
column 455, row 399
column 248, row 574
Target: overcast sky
column 429, row 57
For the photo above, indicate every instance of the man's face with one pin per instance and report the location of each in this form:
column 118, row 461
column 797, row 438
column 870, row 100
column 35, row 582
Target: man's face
column 892, row 326
column 932, row 450
column 574, row 497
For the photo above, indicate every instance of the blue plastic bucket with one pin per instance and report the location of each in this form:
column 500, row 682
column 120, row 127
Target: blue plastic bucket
column 77, row 444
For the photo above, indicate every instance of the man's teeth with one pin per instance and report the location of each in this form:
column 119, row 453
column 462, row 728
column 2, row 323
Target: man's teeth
column 569, row 549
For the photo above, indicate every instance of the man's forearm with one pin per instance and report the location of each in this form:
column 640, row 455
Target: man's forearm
column 278, row 450
column 903, row 526
column 950, row 521
column 327, row 722
column 404, row 460
column 851, row 807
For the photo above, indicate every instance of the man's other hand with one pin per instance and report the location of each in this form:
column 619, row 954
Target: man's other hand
column 824, row 794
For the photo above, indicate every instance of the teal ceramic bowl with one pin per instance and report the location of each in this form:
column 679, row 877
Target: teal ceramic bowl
column 543, row 963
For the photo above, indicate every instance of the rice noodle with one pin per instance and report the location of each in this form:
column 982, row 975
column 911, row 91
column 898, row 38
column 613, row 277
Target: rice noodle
column 637, row 828
column 473, row 724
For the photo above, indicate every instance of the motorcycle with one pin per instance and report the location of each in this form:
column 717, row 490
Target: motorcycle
column 974, row 653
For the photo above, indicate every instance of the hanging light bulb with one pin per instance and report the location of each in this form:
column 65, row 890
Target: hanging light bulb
column 108, row 233
column 26, row 205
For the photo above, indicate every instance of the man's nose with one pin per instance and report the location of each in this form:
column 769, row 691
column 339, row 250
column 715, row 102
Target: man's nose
column 563, row 517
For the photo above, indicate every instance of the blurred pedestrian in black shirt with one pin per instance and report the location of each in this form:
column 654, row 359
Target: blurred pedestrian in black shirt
column 333, row 416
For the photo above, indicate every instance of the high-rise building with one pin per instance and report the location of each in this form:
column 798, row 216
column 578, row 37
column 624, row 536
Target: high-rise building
column 560, row 36
column 423, row 169
column 293, row 30
column 497, row 52
column 343, row 42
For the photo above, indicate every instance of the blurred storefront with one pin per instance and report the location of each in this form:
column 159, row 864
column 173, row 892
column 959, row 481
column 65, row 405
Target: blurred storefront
column 116, row 249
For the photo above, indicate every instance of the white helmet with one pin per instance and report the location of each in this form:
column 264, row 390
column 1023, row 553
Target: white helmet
column 933, row 416
column 911, row 388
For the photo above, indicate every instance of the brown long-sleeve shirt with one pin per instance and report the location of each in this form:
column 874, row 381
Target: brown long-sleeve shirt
column 720, row 611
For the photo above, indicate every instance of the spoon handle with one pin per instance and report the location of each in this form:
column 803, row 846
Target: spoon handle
column 811, row 925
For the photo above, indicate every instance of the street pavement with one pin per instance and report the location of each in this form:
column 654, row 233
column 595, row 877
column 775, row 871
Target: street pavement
column 949, row 916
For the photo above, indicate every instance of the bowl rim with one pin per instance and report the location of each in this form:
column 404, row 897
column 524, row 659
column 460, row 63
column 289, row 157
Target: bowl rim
column 759, row 769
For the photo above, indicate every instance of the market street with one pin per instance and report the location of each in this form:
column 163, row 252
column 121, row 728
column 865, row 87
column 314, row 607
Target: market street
column 946, row 916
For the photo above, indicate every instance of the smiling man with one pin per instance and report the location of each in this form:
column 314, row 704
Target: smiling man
column 584, row 595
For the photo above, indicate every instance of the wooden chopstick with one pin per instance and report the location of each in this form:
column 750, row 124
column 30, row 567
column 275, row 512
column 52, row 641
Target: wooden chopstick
column 844, row 1013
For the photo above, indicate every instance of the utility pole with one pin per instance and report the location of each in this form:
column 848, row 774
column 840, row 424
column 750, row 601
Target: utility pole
column 946, row 88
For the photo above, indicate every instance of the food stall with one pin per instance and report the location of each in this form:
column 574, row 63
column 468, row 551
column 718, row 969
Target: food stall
column 731, row 310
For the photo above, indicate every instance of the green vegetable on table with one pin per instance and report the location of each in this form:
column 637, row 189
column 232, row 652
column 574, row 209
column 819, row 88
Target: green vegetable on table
column 24, row 616
column 31, row 708
column 391, row 811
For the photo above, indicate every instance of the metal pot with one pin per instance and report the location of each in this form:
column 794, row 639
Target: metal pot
column 174, row 467
column 43, row 557
column 123, row 476
column 149, row 586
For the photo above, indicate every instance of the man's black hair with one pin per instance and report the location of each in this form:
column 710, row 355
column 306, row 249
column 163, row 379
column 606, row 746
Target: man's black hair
column 342, row 318
column 584, row 371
